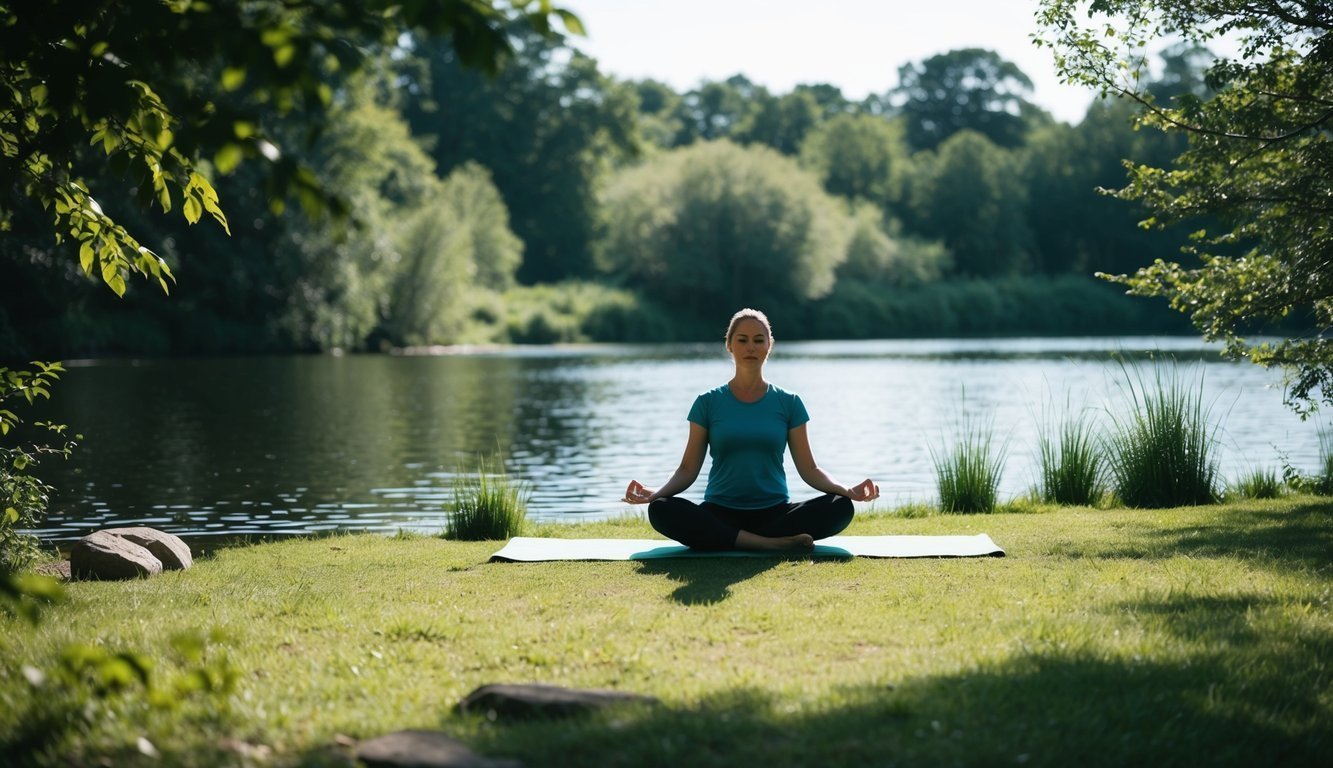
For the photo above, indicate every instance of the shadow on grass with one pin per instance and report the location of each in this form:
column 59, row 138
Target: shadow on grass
column 704, row 582
column 1299, row 536
column 1244, row 698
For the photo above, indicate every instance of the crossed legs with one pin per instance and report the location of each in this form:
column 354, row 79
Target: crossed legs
column 710, row 526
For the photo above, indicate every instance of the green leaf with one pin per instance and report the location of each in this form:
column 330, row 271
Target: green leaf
column 228, row 157
column 193, row 209
column 20, row 462
column 571, row 22
column 11, row 515
column 233, row 78
column 86, row 257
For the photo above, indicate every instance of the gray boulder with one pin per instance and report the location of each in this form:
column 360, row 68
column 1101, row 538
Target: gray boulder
column 524, row 702
column 424, row 749
column 103, row 556
column 170, row 549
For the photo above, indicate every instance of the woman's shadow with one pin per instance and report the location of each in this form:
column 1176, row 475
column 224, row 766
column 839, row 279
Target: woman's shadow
column 705, row 581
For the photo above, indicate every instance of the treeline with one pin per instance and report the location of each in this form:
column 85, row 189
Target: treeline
column 555, row 203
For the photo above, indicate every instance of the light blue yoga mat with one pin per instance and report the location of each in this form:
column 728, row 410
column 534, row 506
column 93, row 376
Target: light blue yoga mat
column 526, row 549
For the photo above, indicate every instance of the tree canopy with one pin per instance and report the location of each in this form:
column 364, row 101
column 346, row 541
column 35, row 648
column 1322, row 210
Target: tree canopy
column 1258, row 169
column 170, row 93
column 966, row 88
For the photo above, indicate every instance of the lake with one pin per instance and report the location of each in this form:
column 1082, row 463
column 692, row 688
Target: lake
column 269, row 446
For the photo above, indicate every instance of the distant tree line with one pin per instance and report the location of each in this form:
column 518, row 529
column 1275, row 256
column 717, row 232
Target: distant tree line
column 552, row 202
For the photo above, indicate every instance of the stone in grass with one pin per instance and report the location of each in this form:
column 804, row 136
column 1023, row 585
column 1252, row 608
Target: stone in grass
column 424, row 749
column 103, row 556
column 170, row 549
column 524, row 702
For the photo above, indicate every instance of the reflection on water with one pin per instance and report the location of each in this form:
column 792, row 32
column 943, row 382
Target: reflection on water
column 274, row 445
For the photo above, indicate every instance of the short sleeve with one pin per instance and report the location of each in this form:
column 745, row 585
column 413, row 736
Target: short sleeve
column 699, row 411
column 796, row 415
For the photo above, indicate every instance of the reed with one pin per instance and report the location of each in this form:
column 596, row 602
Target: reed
column 1257, row 484
column 1161, row 450
column 487, row 505
column 1071, row 464
column 967, row 477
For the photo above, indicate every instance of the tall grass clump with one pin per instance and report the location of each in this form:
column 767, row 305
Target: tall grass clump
column 1161, row 449
column 1256, row 484
column 968, row 475
column 1071, row 464
column 487, row 505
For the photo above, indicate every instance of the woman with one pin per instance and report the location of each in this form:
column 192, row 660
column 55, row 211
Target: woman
column 747, row 424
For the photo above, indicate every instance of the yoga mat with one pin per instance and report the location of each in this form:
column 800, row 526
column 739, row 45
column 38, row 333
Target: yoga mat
column 526, row 549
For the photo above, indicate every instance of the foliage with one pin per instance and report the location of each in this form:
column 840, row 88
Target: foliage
column 1162, row 448
column 1259, row 164
column 23, row 496
column 403, row 277
column 970, row 196
column 1072, row 467
column 967, row 475
column 1064, row 305
column 859, row 156
column 169, row 115
column 964, row 89
column 548, row 128
column 715, row 225
column 90, row 684
column 574, row 312
column 487, row 505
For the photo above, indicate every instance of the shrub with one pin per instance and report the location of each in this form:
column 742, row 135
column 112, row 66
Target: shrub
column 487, row 506
column 23, row 497
column 1071, row 465
column 1161, row 450
column 968, row 476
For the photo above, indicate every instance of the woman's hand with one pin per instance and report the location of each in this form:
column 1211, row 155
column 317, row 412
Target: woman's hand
column 866, row 490
column 637, row 494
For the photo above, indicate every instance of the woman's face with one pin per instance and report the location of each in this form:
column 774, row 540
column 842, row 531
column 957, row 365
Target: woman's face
column 749, row 343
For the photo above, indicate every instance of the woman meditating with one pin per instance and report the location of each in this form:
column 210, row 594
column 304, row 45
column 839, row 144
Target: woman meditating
column 746, row 425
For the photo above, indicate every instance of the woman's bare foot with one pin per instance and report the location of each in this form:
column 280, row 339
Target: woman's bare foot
column 797, row 543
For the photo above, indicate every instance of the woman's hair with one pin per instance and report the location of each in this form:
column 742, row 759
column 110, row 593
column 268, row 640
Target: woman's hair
column 752, row 314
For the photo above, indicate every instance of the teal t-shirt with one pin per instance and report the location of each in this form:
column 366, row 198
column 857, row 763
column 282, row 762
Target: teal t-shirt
column 746, row 441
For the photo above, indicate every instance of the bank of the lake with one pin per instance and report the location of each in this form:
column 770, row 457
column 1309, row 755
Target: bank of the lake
column 213, row 448
column 1106, row 637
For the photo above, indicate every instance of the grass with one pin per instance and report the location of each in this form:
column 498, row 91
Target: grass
column 1161, row 448
column 967, row 476
column 1256, row 484
column 1071, row 464
column 487, row 505
column 1106, row 637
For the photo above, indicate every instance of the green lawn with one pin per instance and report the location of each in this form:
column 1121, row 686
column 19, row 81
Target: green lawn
column 1107, row 637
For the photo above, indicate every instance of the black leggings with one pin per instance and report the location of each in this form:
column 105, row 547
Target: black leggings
column 713, row 527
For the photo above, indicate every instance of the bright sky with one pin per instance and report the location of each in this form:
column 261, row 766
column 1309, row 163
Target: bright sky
column 856, row 45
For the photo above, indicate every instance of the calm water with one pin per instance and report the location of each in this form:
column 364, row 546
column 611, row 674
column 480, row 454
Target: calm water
column 293, row 445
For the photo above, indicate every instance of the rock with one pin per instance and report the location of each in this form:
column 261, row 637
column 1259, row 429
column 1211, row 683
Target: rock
column 518, row 702
column 103, row 556
column 170, row 549
column 424, row 749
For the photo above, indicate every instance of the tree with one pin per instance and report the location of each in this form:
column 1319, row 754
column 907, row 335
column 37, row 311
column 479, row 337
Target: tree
column 718, row 225
column 780, row 122
column 859, row 156
column 1259, row 163
column 968, row 88
column 970, row 195
column 170, row 92
column 547, row 128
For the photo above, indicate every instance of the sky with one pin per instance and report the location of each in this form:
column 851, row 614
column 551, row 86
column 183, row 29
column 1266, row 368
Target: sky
column 857, row 45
